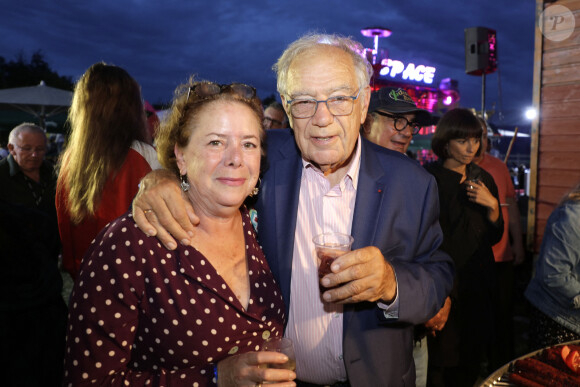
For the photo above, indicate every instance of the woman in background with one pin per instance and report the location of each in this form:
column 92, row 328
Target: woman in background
column 107, row 154
column 471, row 221
column 554, row 291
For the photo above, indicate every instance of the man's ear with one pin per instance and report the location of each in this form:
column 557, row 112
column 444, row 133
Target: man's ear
column 365, row 103
column 287, row 110
column 368, row 124
column 11, row 149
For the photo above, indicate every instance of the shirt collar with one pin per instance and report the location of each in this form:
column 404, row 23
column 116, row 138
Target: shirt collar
column 14, row 167
column 352, row 172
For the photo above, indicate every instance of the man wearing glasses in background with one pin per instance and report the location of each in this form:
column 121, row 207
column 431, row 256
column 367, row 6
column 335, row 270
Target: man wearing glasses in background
column 392, row 121
column 32, row 310
column 323, row 177
column 275, row 116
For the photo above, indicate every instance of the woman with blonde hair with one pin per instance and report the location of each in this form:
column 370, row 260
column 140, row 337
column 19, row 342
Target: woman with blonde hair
column 107, row 155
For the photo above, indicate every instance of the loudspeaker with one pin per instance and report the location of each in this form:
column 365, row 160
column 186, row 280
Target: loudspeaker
column 480, row 51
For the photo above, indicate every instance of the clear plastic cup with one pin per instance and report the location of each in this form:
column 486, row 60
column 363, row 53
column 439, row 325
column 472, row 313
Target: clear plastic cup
column 330, row 246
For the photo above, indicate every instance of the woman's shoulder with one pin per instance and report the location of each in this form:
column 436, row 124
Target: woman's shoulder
column 121, row 234
column 147, row 152
column 442, row 174
column 249, row 219
column 432, row 166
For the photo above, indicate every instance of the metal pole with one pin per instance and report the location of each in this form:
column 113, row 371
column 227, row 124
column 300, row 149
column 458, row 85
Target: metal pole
column 509, row 150
column 42, row 118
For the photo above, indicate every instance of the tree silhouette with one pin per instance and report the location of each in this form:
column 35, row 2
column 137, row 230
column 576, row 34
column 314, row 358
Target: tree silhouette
column 21, row 73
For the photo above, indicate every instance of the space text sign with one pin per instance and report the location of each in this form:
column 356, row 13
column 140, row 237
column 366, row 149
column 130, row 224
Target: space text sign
column 396, row 68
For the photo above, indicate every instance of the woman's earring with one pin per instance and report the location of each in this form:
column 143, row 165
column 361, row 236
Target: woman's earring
column 256, row 188
column 184, row 184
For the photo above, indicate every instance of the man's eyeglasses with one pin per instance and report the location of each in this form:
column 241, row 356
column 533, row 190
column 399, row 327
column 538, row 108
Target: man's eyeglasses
column 340, row 105
column 209, row 89
column 272, row 121
column 30, row 150
column 400, row 122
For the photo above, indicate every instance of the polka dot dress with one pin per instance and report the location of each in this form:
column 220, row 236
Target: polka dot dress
column 142, row 315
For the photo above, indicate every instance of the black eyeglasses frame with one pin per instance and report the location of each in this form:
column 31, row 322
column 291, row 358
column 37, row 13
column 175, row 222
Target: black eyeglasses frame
column 415, row 127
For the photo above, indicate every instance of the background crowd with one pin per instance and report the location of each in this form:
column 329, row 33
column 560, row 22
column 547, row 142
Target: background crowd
column 220, row 237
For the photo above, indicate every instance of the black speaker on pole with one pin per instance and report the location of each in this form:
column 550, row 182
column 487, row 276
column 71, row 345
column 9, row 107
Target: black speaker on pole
column 480, row 50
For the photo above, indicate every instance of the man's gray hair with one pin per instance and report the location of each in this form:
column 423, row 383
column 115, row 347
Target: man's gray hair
column 24, row 127
column 363, row 68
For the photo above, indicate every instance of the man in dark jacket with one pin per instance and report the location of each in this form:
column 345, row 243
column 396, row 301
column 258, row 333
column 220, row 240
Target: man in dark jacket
column 32, row 310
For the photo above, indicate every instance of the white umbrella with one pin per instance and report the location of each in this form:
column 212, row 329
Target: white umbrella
column 41, row 101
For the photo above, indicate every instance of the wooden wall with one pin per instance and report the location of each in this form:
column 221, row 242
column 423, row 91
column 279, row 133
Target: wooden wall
column 555, row 165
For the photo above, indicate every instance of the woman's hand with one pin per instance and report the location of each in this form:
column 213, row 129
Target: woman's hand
column 478, row 193
column 245, row 370
column 437, row 322
column 160, row 209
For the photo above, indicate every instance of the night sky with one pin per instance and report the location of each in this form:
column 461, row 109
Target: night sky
column 162, row 43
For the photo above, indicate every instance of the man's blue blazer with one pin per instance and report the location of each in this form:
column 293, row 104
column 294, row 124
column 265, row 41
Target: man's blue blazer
column 396, row 210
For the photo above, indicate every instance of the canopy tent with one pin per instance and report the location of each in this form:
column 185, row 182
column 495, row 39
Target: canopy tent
column 41, row 101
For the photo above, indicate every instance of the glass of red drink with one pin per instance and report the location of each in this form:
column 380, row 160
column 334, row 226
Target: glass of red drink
column 330, row 246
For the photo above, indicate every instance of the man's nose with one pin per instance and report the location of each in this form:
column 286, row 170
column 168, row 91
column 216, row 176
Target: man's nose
column 407, row 132
column 322, row 116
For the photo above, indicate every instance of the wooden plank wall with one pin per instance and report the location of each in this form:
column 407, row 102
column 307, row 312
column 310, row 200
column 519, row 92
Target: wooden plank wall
column 558, row 145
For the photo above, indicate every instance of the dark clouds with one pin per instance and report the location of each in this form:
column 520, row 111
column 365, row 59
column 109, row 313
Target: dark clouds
column 161, row 43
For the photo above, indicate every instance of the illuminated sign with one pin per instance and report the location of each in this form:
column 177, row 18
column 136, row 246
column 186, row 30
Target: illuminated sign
column 396, row 68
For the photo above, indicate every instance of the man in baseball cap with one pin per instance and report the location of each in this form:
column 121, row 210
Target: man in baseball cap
column 391, row 122
column 393, row 118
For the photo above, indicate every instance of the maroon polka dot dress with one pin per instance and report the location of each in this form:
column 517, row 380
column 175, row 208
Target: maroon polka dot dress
column 141, row 315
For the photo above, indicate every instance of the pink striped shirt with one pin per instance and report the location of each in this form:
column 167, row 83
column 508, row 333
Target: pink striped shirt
column 316, row 327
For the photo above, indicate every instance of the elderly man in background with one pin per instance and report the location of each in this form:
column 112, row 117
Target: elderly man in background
column 32, row 310
column 392, row 121
column 321, row 177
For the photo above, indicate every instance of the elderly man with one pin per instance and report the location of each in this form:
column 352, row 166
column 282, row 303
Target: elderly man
column 323, row 177
column 394, row 119
column 32, row 310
